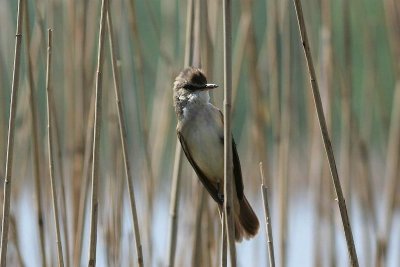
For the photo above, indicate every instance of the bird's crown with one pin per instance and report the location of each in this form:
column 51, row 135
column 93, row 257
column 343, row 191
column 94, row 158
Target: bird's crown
column 190, row 78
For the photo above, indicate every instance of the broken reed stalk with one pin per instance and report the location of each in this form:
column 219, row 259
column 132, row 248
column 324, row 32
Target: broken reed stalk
column 325, row 136
column 229, row 209
column 35, row 140
column 267, row 217
column 50, row 150
column 122, row 131
column 96, row 140
column 10, row 139
column 176, row 174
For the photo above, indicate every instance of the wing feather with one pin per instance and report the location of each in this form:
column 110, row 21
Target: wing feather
column 203, row 178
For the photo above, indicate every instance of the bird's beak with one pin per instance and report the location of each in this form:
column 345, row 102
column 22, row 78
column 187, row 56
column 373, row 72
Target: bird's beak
column 210, row 86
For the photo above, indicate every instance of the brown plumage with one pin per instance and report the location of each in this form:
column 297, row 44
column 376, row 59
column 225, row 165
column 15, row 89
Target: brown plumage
column 200, row 132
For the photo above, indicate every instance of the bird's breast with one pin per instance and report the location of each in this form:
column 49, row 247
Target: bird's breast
column 203, row 134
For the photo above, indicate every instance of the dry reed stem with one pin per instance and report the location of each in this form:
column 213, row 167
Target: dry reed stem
column 160, row 125
column 284, row 139
column 267, row 217
column 239, row 52
column 319, row 167
column 10, row 139
column 35, row 141
column 175, row 190
column 122, row 131
column 347, row 117
column 229, row 208
column 273, row 83
column 142, row 119
column 391, row 174
column 96, row 140
column 392, row 24
column 16, row 240
column 325, row 136
column 62, row 180
column 224, row 245
column 258, row 106
column 50, row 149
column 203, row 46
column 198, row 237
column 73, row 97
column 77, row 253
column 392, row 154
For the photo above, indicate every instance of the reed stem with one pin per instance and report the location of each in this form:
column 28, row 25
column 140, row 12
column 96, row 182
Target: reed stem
column 10, row 139
column 229, row 209
column 267, row 217
column 122, row 131
column 35, row 140
column 325, row 136
column 50, row 149
column 96, row 140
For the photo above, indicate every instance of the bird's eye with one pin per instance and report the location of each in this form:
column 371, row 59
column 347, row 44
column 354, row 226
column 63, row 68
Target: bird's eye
column 191, row 86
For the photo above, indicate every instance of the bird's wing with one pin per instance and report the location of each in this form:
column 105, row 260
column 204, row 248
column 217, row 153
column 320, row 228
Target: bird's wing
column 237, row 170
column 203, row 178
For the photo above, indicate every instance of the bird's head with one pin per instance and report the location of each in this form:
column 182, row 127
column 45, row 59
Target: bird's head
column 192, row 80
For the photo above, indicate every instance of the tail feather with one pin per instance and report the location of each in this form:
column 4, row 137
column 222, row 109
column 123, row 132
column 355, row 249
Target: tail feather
column 246, row 221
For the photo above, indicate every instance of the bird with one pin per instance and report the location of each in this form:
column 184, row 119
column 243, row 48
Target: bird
column 200, row 130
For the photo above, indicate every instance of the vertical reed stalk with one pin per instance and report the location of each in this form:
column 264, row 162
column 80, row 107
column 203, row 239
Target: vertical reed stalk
column 142, row 118
column 392, row 154
column 10, row 139
column 273, row 77
column 284, row 140
column 62, row 180
column 16, row 241
column 35, row 140
column 257, row 104
column 224, row 244
column 346, row 96
column 175, row 192
column 176, row 174
column 198, row 238
column 267, row 217
column 391, row 173
column 77, row 253
column 50, row 150
column 96, row 140
column 122, row 131
column 229, row 209
column 239, row 53
column 325, row 136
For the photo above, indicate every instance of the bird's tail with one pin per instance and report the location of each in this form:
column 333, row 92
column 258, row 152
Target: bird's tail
column 246, row 221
